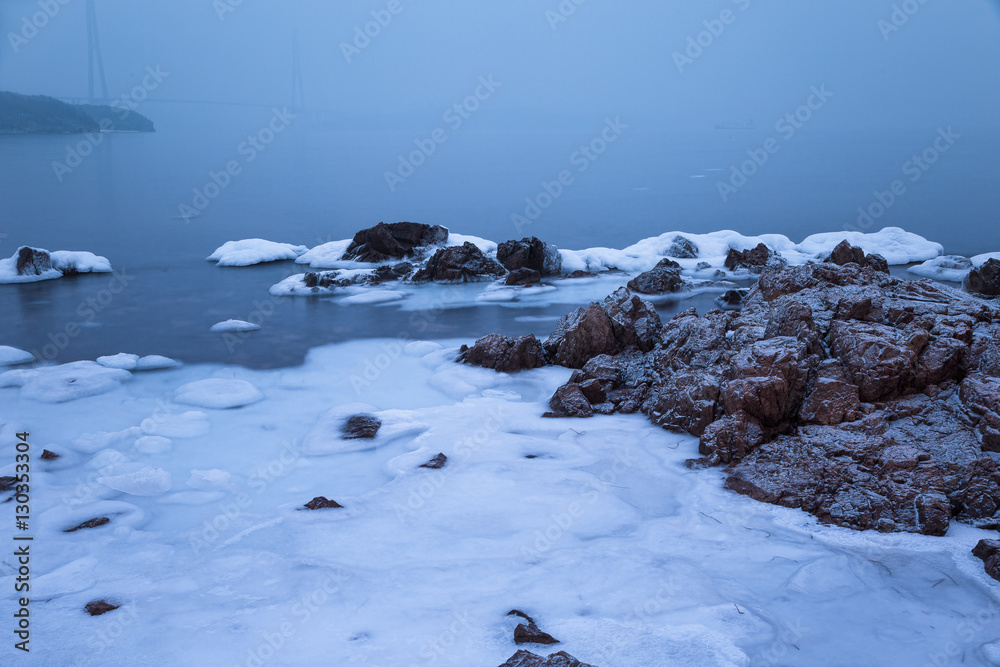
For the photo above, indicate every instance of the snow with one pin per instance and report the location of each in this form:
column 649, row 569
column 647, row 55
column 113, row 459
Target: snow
column 326, row 256
column 155, row 362
column 68, row 382
column 218, row 393
column 8, row 272
column 12, row 356
column 254, row 251
column 235, row 325
column 606, row 538
column 488, row 247
column 374, row 296
column 127, row 362
column 953, row 268
column 79, row 261
column 979, row 260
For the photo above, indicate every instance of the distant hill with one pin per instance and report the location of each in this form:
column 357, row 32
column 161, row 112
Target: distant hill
column 39, row 114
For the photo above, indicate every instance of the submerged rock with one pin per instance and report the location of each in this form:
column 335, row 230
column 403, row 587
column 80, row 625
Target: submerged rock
column 530, row 253
column 393, row 241
column 985, row 279
column 528, row 659
column 360, row 427
column 504, row 354
column 464, row 263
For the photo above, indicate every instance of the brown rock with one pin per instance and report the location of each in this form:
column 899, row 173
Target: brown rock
column 100, row 607
column 570, row 401
column 529, row 253
column 523, row 277
column 322, row 503
column 89, row 523
column 665, row 278
column 984, row 280
column 436, row 463
column 459, row 264
column 988, row 551
column 32, row 262
column 48, row 456
column 504, row 354
column 360, row 427
column 846, row 253
column 393, row 241
column 754, row 259
column 527, row 659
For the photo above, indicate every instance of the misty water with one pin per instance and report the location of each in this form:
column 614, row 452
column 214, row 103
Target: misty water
column 317, row 182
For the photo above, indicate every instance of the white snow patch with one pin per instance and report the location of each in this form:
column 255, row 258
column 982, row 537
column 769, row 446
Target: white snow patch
column 155, row 362
column 123, row 361
column 254, row 251
column 953, row 268
column 79, row 261
column 374, row 296
column 326, row 256
column 234, row 325
column 153, row 444
column 145, row 481
column 218, row 393
column 67, row 382
column 12, row 356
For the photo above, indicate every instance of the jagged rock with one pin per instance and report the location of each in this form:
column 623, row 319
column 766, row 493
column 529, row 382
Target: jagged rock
column 988, row 551
column 528, row 632
column 523, row 276
column 7, row 482
column 682, row 248
column 618, row 323
column 570, row 401
column 32, row 262
column 846, row 253
column 530, row 253
column 528, row 659
column 504, row 354
column 48, row 456
column 360, row 427
column 984, row 280
column 664, row 278
column 322, row 503
column 733, row 298
column 89, row 523
column 436, row 463
column 384, row 274
column 393, row 241
column 464, row 263
column 981, row 396
column 686, row 401
column 754, row 259
column 100, row 607
column 730, row 438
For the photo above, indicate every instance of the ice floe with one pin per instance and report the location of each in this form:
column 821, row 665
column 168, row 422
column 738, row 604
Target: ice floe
column 234, row 325
column 67, row 382
column 254, row 251
column 218, row 393
column 12, row 356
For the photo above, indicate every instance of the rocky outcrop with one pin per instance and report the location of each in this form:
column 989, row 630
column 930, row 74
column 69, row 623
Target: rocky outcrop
column 393, row 241
column 682, row 247
column 322, row 503
column 330, row 279
column 870, row 401
column 523, row 277
column 530, row 253
column 664, row 278
column 620, row 322
column 754, row 259
column 457, row 264
column 528, row 632
column 846, row 253
column 504, row 354
column 528, row 659
column 32, row 262
column 985, row 279
column 988, row 551
column 360, row 427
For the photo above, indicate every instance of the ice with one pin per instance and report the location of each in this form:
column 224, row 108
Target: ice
column 604, row 536
column 8, row 272
column 896, row 245
column 68, row 382
column 218, row 393
column 979, row 260
column 123, row 361
column 79, row 261
column 12, row 356
column 145, row 481
column 374, row 296
column 154, row 362
column 953, row 268
column 234, row 325
column 325, row 256
column 488, row 247
column 254, row 251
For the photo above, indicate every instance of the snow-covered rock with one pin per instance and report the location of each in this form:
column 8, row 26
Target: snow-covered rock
column 218, row 393
column 68, row 382
column 12, row 356
column 254, row 251
column 234, row 325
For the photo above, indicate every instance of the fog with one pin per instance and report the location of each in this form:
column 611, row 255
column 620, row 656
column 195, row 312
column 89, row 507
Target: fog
column 556, row 62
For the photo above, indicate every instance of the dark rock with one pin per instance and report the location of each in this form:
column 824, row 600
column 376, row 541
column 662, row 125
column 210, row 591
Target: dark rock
column 984, row 280
column 581, row 274
column 48, row 456
column 988, row 551
column 528, row 659
column 664, row 278
column 620, row 322
column 523, row 277
column 570, row 401
column 322, row 503
column 384, row 274
column 90, row 523
column 435, row 463
column 733, row 297
column 845, row 253
column 360, row 427
column 528, row 632
column 311, row 279
column 100, row 607
column 464, row 263
column 701, row 266
column 504, row 354
column 7, row 482
column 32, row 262
column 393, row 241
column 754, row 259
column 682, row 248
column 530, row 253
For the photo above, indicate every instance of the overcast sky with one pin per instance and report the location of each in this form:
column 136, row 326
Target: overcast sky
column 940, row 66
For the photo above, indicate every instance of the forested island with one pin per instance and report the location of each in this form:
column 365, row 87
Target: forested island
column 40, row 114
